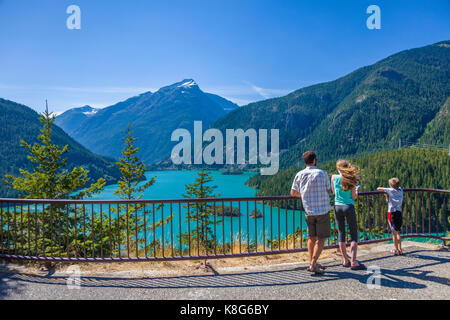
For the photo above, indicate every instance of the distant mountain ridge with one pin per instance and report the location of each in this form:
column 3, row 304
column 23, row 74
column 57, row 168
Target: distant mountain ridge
column 152, row 115
column 19, row 122
column 72, row 119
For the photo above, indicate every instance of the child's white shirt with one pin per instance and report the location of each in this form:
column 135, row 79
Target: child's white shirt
column 395, row 199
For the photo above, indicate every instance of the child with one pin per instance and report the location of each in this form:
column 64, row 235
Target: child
column 395, row 200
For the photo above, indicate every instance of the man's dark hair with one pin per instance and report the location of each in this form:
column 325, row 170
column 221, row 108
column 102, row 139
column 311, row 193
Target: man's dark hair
column 309, row 157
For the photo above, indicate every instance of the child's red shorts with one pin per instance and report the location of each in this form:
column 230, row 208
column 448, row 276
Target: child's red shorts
column 395, row 220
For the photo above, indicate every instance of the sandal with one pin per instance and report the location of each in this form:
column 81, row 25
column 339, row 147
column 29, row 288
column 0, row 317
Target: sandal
column 360, row 266
column 395, row 252
column 347, row 265
column 320, row 266
column 316, row 270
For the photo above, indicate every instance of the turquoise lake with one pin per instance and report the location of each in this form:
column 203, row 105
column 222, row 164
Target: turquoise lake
column 170, row 184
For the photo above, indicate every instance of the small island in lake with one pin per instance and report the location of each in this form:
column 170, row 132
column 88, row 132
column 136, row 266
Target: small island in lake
column 256, row 214
column 227, row 211
column 232, row 170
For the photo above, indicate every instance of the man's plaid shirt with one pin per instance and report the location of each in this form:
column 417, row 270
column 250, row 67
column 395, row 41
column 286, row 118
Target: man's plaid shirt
column 313, row 183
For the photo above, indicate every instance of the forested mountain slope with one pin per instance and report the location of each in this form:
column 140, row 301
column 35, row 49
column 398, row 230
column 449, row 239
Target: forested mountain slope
column 18, row 122
column 401, row 97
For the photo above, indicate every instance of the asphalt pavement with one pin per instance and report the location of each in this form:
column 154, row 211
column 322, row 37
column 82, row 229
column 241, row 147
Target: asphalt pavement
column 420, row 273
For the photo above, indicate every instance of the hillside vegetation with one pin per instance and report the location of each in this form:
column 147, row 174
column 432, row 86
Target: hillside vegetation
column 18, row 122
column 416, row 168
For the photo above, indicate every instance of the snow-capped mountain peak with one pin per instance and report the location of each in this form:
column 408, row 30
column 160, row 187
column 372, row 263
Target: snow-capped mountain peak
column 91, row 113
column 187, row 84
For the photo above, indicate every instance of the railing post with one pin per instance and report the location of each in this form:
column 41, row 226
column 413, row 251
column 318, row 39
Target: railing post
column 446, row 221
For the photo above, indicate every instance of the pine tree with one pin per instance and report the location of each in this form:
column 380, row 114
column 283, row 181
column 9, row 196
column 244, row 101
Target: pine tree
column 200, row 212
column 132, row 170
column 50, row 180
column 130, row 187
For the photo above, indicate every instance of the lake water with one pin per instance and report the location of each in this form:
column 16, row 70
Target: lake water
column 170, row 184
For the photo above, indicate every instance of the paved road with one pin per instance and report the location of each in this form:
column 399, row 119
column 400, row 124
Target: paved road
column 419, row 274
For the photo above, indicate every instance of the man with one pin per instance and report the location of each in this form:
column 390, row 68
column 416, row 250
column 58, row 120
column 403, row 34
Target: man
column 312, row 185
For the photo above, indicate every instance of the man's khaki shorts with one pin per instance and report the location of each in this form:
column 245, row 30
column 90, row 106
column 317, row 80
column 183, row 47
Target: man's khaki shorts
column 318, row 226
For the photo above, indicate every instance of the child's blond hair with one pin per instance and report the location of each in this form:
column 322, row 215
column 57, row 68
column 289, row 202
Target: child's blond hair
column 394, row 183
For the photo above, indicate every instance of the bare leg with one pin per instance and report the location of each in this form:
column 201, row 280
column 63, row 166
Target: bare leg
column 317, row 251
column 399, row 243
column 395, row 239
column 311, row 244
column 354, row 249
column 343, row 249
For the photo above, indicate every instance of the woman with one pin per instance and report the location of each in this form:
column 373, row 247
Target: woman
column 345, row 188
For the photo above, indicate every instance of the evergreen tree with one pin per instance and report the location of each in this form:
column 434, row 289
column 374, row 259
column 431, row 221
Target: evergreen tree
column 130, row 187
column 50, row 180
column 200, row 212
column 18, row 122
column 132, row 170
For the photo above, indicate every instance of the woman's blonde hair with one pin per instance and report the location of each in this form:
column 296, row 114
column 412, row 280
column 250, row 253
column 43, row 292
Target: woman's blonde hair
column 349, row 174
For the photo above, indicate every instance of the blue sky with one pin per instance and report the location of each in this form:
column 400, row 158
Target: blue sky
column 245, row 50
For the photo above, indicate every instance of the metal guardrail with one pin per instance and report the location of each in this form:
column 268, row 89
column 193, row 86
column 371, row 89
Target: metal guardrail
column 180, row 229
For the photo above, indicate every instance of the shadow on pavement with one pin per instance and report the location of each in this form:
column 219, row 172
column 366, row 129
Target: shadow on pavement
column 7, row 285
column 393, row 270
